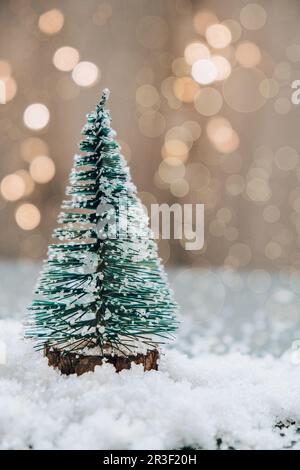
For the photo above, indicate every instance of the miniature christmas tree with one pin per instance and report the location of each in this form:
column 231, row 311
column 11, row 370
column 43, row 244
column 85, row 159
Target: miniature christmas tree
column 102, row 294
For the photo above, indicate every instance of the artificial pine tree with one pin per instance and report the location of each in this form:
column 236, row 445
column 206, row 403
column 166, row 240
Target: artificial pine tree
column 102, row 294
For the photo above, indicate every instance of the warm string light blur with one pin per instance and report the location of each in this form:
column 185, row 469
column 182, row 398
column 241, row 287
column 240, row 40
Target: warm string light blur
column 51, row 22
column 8, row 85
column 208, row 77
column 66, row 58
column 36, row 116
column 192, row 97
column 85, row 74
column 27, row 216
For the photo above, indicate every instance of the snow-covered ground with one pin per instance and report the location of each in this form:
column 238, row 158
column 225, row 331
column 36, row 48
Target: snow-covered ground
column 232, row 374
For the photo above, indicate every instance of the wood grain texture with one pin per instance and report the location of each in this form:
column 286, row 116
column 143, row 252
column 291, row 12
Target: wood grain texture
column 72, row 363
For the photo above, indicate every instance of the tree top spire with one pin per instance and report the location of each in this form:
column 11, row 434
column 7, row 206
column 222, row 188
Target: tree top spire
column 104, row 96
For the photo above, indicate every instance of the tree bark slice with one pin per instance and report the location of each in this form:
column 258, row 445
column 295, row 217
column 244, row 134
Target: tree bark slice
column 72, row 363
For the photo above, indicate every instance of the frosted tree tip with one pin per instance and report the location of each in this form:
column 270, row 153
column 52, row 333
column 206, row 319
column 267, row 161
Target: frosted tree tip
column 105, row 94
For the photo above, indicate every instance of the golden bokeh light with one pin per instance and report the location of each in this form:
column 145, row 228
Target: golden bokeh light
column 180, row 67
column 147, row 96
column 204, row 71
column 159, row 183
column 203, row 19
column 27, row 216
column 229, row 54
column 234, row 28
column 185, row 89
column 180, row 133
column 171, row 169
column 194, row 129
column 167, row 87
column 230, row 145
column 223, row 67
column 196, row 51
column 12, row 187
column 8, row 89
column 253, row 16
column 269, row 88
column 28, row 181
column 66, row 58
column 5, row 69
column 174, row 103
column 86, row 74
column 219, row 130
column 36, row 116
column 208, row 101
column 248, row 54
column 218, row 36
column 42, row 169
column 175, row 148
column 33, row 146
column 51, row 22
column 152, row 32
column 179, row 188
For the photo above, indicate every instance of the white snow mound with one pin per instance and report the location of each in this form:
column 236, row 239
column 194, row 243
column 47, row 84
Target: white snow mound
column 188, row 402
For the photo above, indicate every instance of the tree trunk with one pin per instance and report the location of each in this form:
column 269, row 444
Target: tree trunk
column 72, row 363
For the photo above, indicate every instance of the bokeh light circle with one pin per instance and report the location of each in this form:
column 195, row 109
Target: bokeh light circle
column 27, row 216
column 12, row 187
column 147, row 96
column 218, row 36
column 36, row 116
column 85, row 74
column 66, row 58
column 196, row 51
column 208, row 101
column 248, row 54
column 51, row 22
column 241, row 90
column 204, row 71
column 42, row 169
column 253, row 16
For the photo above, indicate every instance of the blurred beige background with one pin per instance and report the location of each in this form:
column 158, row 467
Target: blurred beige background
column 201, row 101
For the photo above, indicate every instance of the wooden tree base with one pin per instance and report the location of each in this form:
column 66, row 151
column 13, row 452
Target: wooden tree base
column 72, row 363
